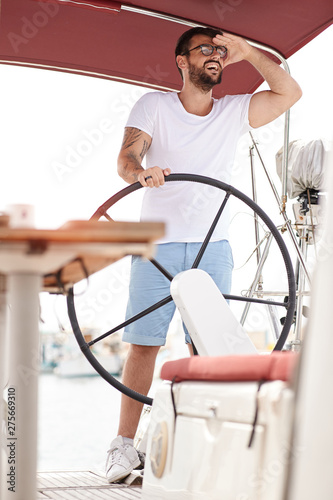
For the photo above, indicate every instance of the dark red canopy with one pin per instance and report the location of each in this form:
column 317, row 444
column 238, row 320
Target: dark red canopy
column 109, row 39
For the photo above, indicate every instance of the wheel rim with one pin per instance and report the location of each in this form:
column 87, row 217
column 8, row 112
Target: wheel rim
column 230, row 191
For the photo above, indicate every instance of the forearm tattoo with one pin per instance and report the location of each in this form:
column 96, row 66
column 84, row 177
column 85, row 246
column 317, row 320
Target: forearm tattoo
column 131, row 136
column 144, row 150
column 132, row 160
column 131, row 172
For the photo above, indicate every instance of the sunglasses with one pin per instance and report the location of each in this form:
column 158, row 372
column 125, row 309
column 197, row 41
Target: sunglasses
column 207, row 50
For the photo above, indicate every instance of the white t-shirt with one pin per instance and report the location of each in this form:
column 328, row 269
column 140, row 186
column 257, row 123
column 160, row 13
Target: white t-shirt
column 187, row 143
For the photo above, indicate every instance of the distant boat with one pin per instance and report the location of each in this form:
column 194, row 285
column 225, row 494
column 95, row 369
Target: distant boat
column 78, row 366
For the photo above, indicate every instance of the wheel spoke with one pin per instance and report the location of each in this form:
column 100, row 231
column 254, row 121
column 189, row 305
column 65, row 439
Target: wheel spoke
column 107, row 216
column 140, row 315
column 210, row 231
column 93, row 361
column 162, row 269
column 256, row 301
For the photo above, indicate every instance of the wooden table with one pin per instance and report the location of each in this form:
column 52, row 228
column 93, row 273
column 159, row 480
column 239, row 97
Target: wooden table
column 34, row 260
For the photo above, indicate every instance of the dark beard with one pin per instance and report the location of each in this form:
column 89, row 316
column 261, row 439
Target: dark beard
column 202, row 80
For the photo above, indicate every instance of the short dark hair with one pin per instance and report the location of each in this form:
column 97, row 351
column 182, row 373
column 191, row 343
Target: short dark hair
column 184, row 40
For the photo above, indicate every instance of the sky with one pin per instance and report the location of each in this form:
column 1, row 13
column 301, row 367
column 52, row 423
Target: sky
column 61, row 134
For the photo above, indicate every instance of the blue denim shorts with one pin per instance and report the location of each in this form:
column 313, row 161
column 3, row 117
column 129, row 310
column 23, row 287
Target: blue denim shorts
column 148, row 286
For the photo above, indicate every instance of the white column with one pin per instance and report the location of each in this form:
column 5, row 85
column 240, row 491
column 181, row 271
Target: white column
column 22, row 389
column 311, row 461
column 2, row 371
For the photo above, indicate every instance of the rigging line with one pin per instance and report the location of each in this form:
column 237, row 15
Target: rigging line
column 271, row 183
column 312, row 224
column 250, row 215
column 256, row 281
column 255, row 199
column 254, row 250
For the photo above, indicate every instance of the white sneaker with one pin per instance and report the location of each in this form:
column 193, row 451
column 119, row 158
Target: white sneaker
column 121, row 460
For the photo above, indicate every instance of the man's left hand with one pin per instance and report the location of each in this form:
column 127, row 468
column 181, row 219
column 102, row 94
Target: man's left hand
column 238, row 48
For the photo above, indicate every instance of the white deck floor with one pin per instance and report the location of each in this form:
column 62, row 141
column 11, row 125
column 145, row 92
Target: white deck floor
column 83, row 485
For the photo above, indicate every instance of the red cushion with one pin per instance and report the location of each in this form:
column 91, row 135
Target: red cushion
column 276, row 366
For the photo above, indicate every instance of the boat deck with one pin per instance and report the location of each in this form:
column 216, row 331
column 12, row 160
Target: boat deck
column 80, row 485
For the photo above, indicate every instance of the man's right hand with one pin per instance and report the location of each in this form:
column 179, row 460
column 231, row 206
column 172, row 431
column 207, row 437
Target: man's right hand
column 153, row 177
column 133, row 150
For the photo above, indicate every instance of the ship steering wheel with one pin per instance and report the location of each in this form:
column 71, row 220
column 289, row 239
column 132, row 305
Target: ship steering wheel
column 288, row 304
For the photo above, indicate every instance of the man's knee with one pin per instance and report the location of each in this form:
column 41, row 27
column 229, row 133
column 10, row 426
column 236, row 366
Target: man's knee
column 143, row 351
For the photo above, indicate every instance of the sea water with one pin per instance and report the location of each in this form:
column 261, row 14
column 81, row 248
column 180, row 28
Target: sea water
column 78, row 418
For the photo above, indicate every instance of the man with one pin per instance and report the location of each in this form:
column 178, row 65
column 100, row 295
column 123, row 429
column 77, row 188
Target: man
column 188, row 132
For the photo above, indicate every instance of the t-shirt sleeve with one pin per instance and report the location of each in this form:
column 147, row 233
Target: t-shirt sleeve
column 244, row 103
column 143, row 112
